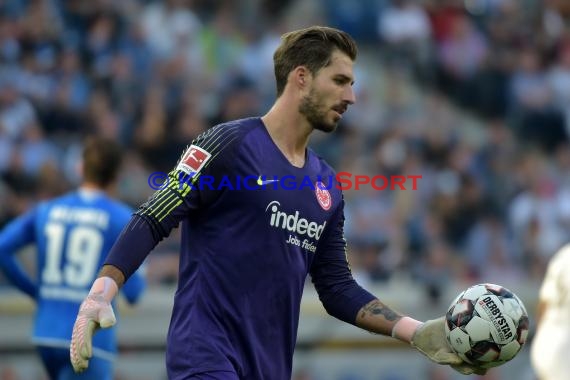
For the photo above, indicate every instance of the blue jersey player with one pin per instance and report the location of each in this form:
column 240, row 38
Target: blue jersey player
column 73, row 235
column 258, row 215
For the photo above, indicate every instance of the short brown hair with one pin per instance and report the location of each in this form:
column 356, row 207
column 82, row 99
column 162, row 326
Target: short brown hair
column 102, row 159
column 311, row 47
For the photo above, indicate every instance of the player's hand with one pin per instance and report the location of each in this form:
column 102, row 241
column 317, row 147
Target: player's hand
column 430, row 340
column 94, row 313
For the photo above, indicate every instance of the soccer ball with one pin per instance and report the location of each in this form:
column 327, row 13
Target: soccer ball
column 486, row 325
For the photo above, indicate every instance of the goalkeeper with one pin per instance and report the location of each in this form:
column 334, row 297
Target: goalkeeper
column 245, row 253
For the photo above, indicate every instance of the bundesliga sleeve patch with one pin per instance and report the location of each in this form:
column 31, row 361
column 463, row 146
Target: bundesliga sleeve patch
column 193, row 160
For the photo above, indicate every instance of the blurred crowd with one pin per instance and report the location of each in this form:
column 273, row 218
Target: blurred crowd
column 472, row 95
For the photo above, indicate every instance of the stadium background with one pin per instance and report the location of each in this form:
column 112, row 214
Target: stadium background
column 473, row 95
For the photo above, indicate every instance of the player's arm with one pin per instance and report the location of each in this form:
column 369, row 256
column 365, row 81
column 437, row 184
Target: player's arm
column 16, row 235
column 427, row 337
column 552, row 288
column 143, row 232
column 379, row 318
column 151, row 223
column 344, row 299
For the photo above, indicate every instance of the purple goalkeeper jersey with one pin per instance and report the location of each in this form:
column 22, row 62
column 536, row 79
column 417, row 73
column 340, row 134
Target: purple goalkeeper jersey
column 253, row 227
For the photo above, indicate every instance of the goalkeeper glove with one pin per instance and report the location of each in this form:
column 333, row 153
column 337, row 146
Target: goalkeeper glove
column 429, row 338
column 95, row 312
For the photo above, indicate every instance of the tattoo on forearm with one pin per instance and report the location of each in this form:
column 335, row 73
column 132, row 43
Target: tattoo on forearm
column 378, row 308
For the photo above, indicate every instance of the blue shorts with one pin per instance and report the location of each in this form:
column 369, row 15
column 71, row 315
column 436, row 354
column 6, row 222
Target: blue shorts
column 58, row 366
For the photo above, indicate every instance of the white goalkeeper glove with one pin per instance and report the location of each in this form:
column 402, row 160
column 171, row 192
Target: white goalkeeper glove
column 429, row 339
column 95, row 312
